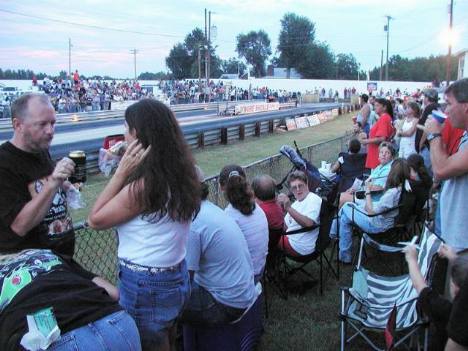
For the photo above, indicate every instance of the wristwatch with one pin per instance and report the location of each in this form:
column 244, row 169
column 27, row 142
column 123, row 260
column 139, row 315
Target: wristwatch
column 432, row 136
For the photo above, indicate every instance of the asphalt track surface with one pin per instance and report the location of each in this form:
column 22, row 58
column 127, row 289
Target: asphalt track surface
column 89, row 135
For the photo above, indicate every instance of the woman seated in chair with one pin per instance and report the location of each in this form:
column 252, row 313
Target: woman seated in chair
column 304, row 212
column 378, row 174
column 366, row 215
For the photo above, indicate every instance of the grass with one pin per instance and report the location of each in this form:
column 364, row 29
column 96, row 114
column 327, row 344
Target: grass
column 302, row 322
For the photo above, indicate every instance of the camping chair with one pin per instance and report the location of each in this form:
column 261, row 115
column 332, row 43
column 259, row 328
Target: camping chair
column 353, row 167
column 399, row 231
column 369, row 303
column 319, row 255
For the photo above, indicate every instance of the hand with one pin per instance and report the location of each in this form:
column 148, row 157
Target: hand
column 283, row 201
column 432, row 126
column 63, row 169
column 350, row 191
column 411, row 255
column 447, row 252
column 132, row 157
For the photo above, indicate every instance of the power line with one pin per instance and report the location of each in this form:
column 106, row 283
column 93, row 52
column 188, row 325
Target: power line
column 89, row 25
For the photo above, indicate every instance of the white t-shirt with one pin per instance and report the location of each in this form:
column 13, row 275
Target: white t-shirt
column 255, row 230
column 304, row 243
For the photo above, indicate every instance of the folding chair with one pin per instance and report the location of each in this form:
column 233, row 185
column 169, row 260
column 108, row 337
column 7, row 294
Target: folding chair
column 367, row 305
column 399, row 230
column 319, row 255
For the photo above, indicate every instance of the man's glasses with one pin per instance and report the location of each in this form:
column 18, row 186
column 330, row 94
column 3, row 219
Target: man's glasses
column 297, row 187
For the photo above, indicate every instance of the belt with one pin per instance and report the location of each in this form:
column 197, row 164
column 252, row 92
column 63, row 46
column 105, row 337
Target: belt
column 152, row 270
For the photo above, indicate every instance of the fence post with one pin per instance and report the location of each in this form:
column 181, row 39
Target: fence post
column 241, row 132
column 257, row 129
column 224, row 136
column 271, row 126
column 201, row 139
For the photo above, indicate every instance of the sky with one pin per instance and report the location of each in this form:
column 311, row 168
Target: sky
column 35, row 34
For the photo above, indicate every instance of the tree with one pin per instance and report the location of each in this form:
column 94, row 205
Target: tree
column 346, row 66
column 234, row 66
column 318, row 62
column 255, row 48
column 295, row 40
column 179, row 61
column 154, row 76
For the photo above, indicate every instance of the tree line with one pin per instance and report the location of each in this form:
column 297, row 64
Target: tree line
column 297, row 48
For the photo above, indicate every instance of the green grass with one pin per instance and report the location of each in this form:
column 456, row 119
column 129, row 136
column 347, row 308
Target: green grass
column 302, row 322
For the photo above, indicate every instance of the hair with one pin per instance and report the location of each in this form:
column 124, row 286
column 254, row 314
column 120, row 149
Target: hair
column 387, row 104
column 19, row 107
column 459, row 90
column 204, row 191
column 297, row 175
column 416, row 162
column 365, row 97
column 399, row 173
column 414, row 106
column 389, row 146
column 264, row 187
column 354, row 146
column 167, row 174
column 237, row 190
column 459, row 272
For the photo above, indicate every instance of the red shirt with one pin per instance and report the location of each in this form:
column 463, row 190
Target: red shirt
column 382, row 128
column 451, row 137
column 273, row 213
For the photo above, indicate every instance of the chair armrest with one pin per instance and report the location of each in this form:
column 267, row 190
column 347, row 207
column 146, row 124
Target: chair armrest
column 377, row 214
column 302, row 230
column 381, row 247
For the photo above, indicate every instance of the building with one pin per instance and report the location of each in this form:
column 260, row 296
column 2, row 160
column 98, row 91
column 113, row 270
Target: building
column 462, row 64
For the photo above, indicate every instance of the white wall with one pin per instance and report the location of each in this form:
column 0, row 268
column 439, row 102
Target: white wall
column 304, row 85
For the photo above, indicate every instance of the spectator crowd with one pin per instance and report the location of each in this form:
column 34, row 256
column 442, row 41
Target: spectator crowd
column 181, row 258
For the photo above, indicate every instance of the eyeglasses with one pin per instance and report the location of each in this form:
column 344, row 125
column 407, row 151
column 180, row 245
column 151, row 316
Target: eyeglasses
column 300, row 186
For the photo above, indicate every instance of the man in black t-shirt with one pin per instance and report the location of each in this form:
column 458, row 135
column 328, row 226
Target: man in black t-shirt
column 33, row 206
column 40, row 288
column 458, row 323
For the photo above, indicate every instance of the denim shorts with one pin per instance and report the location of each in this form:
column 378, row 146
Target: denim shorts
column 116, row 331
column 154, row 300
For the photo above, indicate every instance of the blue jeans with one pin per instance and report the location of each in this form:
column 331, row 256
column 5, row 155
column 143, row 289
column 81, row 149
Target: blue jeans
column 203, row 309
column 346, row 218
column 154, row 300
column 116, row 331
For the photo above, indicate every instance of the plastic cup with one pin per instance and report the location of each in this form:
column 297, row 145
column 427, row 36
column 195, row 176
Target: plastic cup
column 439, row 116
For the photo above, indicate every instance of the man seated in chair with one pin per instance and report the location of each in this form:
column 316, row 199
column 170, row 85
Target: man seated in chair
column 220, row 267
column 264, row 188
column 366, row 215
column 304, row 212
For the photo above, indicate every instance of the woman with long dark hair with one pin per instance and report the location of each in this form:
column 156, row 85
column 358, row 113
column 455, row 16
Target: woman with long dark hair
column 399, row 173
column 382, row 130
column 250, row 218
column 151, row 200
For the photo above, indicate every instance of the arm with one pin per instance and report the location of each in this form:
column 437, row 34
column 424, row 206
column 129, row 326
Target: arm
column 415, row 273
column 376, row 140
column 443, row 165
column 35, row 210
column 302, row 220
column 335, row 167
column 365, row 112
column 410, row 131
column 453, row 346
column 369, row 207
column 116, row 204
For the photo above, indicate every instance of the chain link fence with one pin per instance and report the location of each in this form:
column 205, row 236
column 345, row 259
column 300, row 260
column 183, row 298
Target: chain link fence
column 97, row 250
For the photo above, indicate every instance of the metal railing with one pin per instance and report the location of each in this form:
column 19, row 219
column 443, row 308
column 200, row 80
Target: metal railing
column 97, row 250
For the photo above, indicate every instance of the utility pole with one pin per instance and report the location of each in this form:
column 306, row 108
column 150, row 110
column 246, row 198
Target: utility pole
column 449, row 56
column 387, row 29
column 199, row 67
column 206, row 49
column 381, row 64
column 209, row 43
column 134, row 53
column 69, row 58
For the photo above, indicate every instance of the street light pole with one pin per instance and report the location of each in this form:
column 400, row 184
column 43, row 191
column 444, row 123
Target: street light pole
column 449, row 56
column 387, row 28
column 69, row 58
column 134, row 52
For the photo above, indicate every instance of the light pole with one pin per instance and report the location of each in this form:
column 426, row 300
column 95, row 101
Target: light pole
column 69, row 58
column 134, row 52
column 449, row 55
column 387, row 29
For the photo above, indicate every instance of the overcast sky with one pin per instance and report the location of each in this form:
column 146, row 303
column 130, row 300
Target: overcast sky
column 34, row 34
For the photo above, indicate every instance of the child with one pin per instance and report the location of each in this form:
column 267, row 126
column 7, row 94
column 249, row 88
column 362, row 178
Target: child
column 431, row 303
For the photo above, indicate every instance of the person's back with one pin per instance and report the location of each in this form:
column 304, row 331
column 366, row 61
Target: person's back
column 255, row 230
column 225, row 268
column 34, row 281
